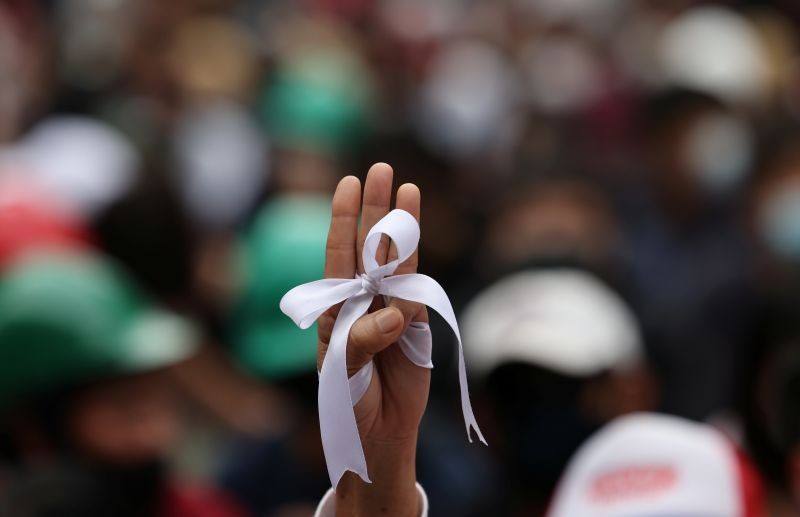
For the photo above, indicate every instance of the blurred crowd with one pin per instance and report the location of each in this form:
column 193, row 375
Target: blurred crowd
column 610, row 196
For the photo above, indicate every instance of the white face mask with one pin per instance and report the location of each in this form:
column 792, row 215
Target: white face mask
column 220, row 163
column 719, row 152
column 469, row 96
column 779, row 222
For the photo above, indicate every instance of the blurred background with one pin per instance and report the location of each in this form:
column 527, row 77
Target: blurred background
column 611, row 198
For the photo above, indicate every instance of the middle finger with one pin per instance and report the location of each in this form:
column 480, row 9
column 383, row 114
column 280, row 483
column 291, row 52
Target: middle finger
column 377, row 200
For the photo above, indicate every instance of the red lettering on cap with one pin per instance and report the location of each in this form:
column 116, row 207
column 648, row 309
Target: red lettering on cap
column 633, row 482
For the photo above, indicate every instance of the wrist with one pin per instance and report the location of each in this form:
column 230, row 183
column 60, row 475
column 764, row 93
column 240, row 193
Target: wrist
column 393, row 492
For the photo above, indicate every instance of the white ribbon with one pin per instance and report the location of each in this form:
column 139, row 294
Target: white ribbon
column 338, row 394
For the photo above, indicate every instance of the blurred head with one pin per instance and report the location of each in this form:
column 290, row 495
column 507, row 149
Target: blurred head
column 24, row 57
column 776, row 199
column 552, row 221
column 125, row 421
column 220, row 164
column 648, row 464
column 699, row 149
column 456, row 115
column 320, row 100
column 317, row 109
column 31, row 220
column 83, row 162
column 716, row 50
column 93, row 42
column 560, row 355
column 84, row 354
column 212, row 57
column 149, row 234
column 283, row 248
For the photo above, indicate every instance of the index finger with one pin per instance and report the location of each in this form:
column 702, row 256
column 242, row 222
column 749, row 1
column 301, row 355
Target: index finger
column 377, row 201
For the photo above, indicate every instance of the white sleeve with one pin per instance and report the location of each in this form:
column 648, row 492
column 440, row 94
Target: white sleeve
column 327, row 507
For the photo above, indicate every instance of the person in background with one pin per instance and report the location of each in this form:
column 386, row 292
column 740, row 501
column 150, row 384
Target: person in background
column 556, row 220
column 88, row 411
column 319, row 103
column 768, row 398
column 771, row 421
column 559, row 354
column 25, row 61
column 690, row 263
column 281, row 471
column 774, row 212
column 31, row 219
column 649, row 464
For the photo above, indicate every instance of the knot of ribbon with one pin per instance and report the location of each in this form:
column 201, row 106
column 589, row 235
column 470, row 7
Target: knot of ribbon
column 338, row 394
column 370, row 285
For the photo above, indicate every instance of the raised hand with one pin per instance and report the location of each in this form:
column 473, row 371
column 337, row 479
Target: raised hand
column 389, row 413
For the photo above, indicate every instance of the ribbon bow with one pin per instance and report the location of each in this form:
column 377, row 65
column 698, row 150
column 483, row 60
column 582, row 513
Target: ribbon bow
column 338, row 394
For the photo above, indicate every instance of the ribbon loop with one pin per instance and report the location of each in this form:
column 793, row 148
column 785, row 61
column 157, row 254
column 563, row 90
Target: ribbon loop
column 402, row 229
column 338, row 394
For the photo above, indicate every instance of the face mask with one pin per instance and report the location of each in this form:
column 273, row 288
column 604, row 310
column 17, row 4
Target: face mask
column 220, row 163
column 779, row 223
column 718, row 152
column 456, row 114
column 539, row 415
column 544, row 439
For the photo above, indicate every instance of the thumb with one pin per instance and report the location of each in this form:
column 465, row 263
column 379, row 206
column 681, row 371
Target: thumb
column 371, row 334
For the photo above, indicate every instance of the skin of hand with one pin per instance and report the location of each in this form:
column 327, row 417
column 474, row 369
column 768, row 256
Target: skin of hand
column 389, row 414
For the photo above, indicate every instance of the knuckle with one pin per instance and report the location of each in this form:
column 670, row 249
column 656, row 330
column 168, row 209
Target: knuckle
column 324, row 335
column 338, row 246
column 355, row 360
column 329, row 316
column 409, row 309
column 358, row 337
column 325, row 327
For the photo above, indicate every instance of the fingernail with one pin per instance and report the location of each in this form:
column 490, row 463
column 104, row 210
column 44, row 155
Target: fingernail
column 388, row 320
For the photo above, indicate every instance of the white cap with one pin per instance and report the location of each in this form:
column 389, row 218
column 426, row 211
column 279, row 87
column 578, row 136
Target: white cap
column 715, row 50
column 647, row 465
column 563, row 320
column 83, row 162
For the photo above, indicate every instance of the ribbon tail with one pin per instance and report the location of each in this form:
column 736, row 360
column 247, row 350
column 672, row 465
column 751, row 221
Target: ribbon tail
column 466, row 406
column 359, row 382
column 424, row 289
column 341, row 441
column 417, row 344
column 305, row 303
